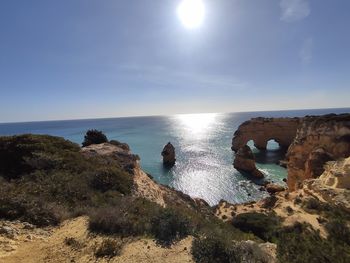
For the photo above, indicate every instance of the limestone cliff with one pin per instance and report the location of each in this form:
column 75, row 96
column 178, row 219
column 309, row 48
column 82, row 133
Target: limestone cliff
column 261, row 130
column 318, row 140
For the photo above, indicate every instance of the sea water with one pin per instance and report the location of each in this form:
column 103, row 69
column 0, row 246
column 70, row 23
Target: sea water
column 203, row 148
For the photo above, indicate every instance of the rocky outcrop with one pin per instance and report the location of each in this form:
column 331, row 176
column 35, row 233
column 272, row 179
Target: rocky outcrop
column 318, row 140
column 168, row 154
column 144, row 185
column 337, row 174
column 261, row 130
column 245, row 161
column 274, row 188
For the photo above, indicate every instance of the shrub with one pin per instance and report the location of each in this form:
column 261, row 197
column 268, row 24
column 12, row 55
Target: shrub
column 312, row 204
column 109, row 248
column 17, row 153
column 73, row 243
column 261, row 225
column 212, row 249
column 124, row 146
column 46, row 179
column 33, row 211
column 300, row 243
column 107, row 178
column 127, row 217
column 338, row 231
column 169, row 226
column 94, row 137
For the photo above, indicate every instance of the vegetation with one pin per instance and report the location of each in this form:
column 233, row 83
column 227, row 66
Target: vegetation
column 94, row 137
column 129, row 216
column 261, row 225
column 300, row 243
column 169, row 226
column 109, row 248
column 328, row 210
column 212, row 249
column 46, row 179
column 73, row 243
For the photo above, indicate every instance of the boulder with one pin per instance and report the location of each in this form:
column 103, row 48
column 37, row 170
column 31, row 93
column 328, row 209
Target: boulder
column 274, row 188
column 245, row 161
column 168, row 154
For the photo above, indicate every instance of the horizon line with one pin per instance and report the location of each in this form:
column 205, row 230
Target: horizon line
column 167, row 115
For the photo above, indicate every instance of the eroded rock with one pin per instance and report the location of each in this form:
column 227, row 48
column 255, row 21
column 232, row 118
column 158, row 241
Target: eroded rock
column 245, row 161
column 261, row 130
column 318, row 140
column 168, row 154
column 274, row 188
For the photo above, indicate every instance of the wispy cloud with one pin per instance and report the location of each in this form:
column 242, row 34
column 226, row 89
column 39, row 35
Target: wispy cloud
column 294, row 10
column 306, row 50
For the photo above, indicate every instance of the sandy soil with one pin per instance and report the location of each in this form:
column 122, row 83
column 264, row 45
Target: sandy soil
column 49, row 246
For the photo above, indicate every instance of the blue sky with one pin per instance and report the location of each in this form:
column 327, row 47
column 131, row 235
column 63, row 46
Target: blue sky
column 86, row 59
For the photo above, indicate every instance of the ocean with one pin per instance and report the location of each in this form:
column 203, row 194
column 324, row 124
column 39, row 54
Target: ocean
column 202, row 141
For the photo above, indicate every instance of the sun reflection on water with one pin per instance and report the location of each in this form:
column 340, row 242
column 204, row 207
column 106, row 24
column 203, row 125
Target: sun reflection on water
column 197, row 124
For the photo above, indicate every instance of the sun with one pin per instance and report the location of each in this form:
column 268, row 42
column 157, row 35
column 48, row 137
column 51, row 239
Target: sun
column 191, row 13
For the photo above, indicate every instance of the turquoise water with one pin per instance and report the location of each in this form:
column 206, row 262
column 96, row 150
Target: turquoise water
column 202, row 141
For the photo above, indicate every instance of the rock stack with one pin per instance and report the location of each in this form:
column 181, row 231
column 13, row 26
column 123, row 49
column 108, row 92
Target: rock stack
column 168, row 154
column 245, row 161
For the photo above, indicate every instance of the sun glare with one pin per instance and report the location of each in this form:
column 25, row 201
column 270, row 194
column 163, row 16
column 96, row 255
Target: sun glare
column 197, row 123
column 191, row 13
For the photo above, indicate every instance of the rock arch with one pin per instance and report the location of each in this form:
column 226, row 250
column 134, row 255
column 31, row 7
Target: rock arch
column 261, row 130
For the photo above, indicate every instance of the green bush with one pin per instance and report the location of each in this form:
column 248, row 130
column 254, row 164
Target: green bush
column 262, row 225
column 94, row 137
column 338, row 231
column 300, row 243
column 212, row 249
column 33, row 211
column 44, row 179
column 127, row 217
column 169, row 225
column 20, row 155
column 106, row 179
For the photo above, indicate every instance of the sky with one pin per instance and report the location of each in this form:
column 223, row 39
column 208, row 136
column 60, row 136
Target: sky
column 92, row 59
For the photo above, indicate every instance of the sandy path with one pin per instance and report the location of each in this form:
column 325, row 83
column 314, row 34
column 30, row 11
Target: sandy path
column 53, row 248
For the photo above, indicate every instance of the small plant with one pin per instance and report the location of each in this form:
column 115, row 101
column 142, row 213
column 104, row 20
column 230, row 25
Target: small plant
column 169, row 226
column 312, row 204
column 73, row 243
column 109, row 248
column 211, row 249
column 94, row 137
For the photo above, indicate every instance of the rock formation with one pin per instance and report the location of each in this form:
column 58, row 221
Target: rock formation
column 318, row 140
column 245, row 161
column 337, row 174
column 168, row 154
column 261, row 130
column 274, row 188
